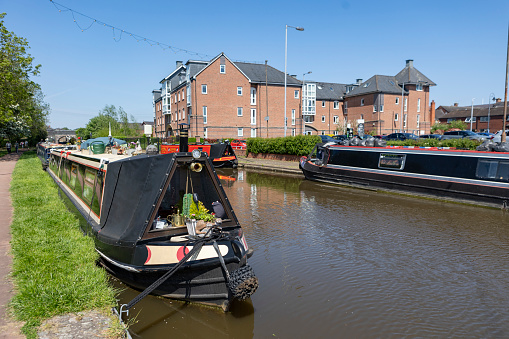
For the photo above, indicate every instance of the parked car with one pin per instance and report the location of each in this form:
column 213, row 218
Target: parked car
column 430, row 136
column 326, row 138
column 463, row 134
column 498, row 136
column 238, row 144
column 487, row 134
column 401, row 136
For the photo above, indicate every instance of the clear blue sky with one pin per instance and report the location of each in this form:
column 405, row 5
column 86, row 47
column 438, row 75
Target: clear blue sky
column 460, row 45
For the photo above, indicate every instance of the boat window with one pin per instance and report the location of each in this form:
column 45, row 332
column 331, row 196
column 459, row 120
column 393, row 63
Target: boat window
column 392, row 161
column 88, row 189
column 503, row 171
column 487, row 169
column 74, row 176
column 493, row 169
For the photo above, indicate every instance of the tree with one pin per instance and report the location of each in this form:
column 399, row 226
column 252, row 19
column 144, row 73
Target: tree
column 99, row 125
column 22, row 109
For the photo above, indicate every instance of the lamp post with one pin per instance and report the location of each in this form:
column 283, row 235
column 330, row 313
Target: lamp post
column 471, row 114
column 491, row 98
column 304, row 90
column 286, row 53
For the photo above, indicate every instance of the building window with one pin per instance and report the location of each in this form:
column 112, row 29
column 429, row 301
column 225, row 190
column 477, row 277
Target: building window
column 335, row 119
column 362, row 102
column 203, row 90
column 253, row 96
column 179, row 94
column 418, row 120
column 484, row 119
column 374, row 108
column 418, row 105
column 239, row 90
column 336, row 104
column 239, row 111
column 204, row 114
column 293, row 117
column 323, row 103
column 397, row 101
column 308, row 118
column 205, row 132
column 253, row 116
column 418, row 87
column 396, row 116
column 381, row 108
column 406, row 104
column 296, row 94
column 253, row 132
column 183, row 114
column 404, row 120
column 323, row 118
column 468, row 119
column 362, row 116
column 222, row 69
column 293, row 132
column 450, row 120
column 240, row 132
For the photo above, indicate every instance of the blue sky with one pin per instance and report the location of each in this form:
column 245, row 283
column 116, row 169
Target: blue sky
column 460, row 45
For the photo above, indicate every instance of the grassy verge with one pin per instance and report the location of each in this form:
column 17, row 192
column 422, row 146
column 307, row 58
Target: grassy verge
column 54, row 264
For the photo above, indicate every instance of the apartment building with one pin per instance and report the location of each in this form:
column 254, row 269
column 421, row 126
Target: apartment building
column 484, row 118
column 388, row 104
column 225, row 99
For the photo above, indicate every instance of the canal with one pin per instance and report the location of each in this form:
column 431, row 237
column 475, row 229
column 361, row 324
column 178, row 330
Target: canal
column 349, row 263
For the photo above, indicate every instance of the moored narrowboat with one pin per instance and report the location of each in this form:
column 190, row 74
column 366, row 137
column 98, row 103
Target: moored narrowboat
column 44, row 149
column 161, row 223
column 479, row 178
column 221, row 154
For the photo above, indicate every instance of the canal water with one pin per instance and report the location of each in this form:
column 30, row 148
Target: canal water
column 350, row 263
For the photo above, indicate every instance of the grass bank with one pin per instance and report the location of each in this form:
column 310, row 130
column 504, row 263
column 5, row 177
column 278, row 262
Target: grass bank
column 54, row 267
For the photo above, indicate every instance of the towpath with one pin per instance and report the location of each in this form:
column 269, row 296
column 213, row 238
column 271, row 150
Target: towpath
column 8, row 327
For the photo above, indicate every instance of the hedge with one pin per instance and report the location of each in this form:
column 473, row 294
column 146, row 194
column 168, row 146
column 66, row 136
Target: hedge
column 297, row 145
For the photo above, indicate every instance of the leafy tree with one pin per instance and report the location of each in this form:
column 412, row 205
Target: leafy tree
column 459, row 124
column 23, row 112
column 121, row 124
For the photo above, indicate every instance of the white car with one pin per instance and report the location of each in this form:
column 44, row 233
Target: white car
column 498, row 135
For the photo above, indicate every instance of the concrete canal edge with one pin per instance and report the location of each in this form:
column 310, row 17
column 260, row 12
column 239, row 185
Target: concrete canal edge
column 288, row 164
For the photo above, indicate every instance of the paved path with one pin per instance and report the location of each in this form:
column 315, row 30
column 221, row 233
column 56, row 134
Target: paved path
column 8, row 328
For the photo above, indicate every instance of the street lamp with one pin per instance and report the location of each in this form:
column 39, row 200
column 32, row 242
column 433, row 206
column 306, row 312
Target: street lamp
column 491, row 98
column 471, row 114
column 286, row 53
column 304, row 90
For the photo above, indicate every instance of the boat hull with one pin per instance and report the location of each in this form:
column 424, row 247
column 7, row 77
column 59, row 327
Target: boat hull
column 461, row 189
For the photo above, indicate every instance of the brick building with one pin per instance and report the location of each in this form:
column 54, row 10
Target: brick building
column 486, row 118
column 389, row 104
column 226, row 99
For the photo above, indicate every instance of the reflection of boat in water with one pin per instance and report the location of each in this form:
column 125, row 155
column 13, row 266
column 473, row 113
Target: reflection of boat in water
column 148, row 216
column 475, row 177
column 221, row 154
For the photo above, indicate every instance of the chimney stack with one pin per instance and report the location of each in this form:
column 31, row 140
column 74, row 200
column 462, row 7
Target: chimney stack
column 432, row 112
column 178, row 64
column 409, row 63
column 498, row 100
column 359, row 82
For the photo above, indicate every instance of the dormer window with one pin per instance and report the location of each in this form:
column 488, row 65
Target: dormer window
column 366, row 85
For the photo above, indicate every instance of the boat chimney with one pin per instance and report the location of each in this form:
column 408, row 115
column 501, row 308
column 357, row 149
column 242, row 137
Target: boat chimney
column 183, row 138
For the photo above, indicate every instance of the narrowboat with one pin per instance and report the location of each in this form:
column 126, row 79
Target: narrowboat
column 221, row 154
column 479, row 178
column 44, row 149
column 161, row 223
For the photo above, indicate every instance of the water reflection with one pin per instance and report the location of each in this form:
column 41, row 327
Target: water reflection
column 349, row 263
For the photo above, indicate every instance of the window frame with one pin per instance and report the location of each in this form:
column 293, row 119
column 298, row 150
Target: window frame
column 204, row 90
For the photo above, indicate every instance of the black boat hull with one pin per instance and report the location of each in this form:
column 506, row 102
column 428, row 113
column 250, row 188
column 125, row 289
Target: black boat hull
column 471, row 191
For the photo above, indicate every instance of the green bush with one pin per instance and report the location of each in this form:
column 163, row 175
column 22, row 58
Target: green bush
column 462, row 143
column 298, row 145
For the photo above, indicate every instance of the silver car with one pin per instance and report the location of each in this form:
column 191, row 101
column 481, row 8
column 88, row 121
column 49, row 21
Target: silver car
column 498, row 136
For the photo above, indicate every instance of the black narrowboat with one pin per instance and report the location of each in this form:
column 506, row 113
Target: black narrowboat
column 44, row 149
column 479, row 178
column 152, row 222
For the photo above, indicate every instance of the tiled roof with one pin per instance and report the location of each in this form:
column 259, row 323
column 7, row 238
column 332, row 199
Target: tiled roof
column 377, row 84
column 329, row 90
column 410, row 75
column 256, row 74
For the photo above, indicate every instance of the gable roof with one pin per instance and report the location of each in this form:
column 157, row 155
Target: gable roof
column 410, row 75
column 329, row 90
column 377, row 84
column 256, row 74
